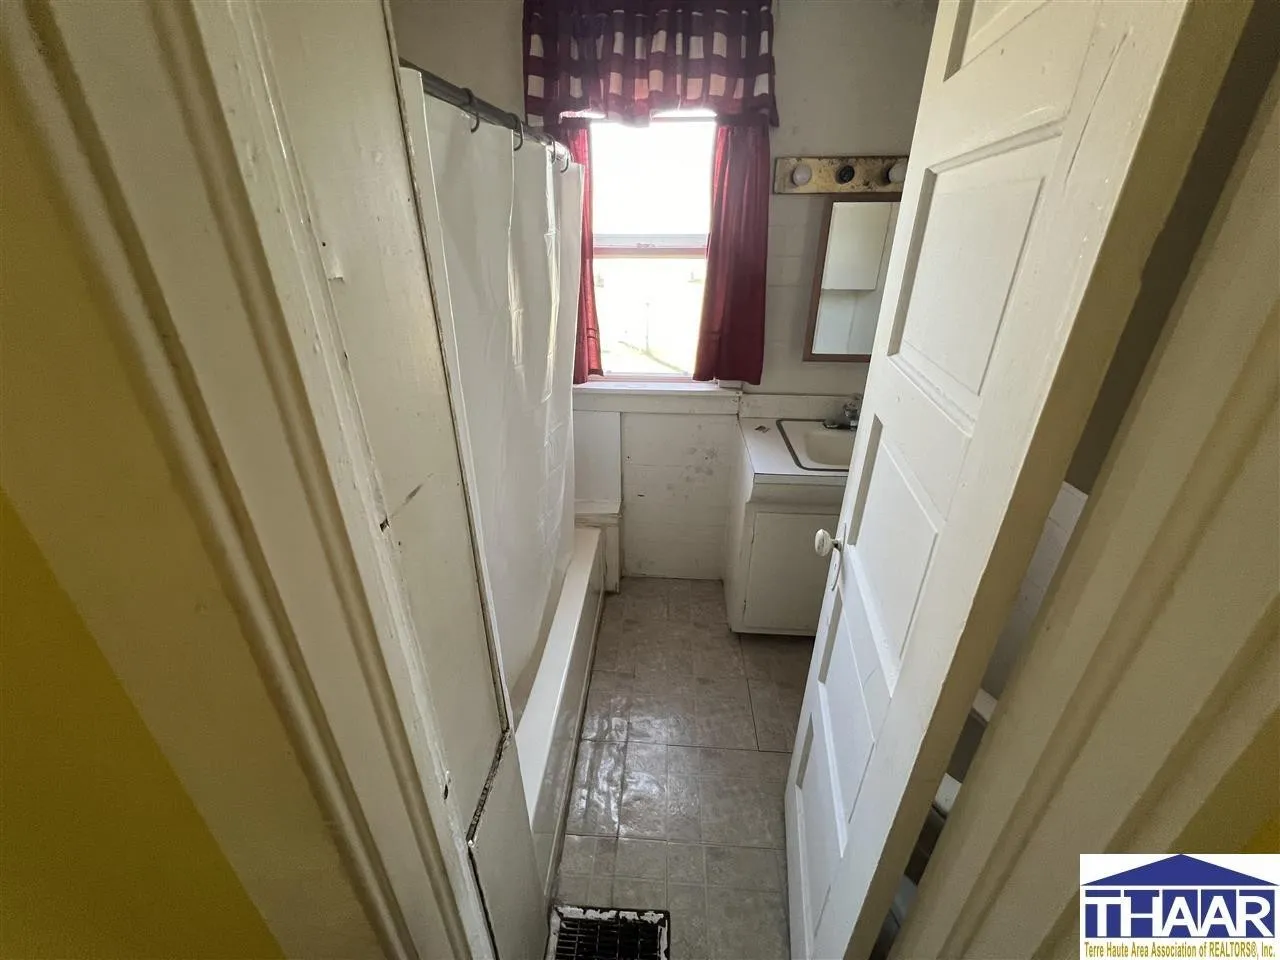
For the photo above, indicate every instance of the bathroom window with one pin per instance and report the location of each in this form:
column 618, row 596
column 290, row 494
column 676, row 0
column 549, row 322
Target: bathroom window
column 651, row 209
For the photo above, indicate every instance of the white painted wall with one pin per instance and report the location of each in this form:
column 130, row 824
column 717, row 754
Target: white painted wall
column 849, row 74
column 346, row 132
column 396, row 364
column 473, row 43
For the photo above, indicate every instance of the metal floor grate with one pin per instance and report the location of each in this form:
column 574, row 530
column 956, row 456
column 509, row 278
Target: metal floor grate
column 587, row 933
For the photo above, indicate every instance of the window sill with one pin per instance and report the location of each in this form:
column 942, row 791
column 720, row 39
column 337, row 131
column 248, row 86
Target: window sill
column 656, row 396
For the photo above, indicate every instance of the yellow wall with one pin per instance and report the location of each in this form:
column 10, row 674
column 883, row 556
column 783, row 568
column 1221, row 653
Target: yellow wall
column 102, row 853
column 1267, row 839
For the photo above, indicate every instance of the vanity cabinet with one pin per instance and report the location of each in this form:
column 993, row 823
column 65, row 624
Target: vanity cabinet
column 773, row 579
column 781, row 577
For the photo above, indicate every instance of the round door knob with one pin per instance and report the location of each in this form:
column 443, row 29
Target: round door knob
column 824, row 543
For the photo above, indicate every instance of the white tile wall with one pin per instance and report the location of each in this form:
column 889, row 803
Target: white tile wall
column 676, row 470
column 597, row 457
column 787, row 270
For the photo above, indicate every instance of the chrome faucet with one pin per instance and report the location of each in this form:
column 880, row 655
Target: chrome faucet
column 849, row 413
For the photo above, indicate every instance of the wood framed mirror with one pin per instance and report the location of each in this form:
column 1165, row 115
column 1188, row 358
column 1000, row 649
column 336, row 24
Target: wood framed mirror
column 848, row 279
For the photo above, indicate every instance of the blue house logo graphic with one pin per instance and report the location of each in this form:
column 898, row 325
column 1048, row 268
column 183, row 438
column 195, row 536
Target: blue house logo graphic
column 1179, row 897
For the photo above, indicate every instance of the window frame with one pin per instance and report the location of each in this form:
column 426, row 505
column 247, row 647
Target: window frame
column 649, row 246
column 686, row 246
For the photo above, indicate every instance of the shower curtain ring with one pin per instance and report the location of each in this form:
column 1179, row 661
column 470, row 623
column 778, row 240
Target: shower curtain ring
column 517, row 129
column 471, row 108
column 567, row 160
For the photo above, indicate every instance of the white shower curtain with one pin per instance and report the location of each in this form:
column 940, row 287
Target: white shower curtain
column 503, row 229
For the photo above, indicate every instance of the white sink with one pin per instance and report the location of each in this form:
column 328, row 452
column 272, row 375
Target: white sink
column 833, row 447
column 815, row 447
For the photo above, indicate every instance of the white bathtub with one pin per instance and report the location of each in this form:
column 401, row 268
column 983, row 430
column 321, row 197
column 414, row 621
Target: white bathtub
column 547, row 733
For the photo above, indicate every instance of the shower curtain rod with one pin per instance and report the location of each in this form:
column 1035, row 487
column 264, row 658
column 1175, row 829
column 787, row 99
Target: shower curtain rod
column 462, row 97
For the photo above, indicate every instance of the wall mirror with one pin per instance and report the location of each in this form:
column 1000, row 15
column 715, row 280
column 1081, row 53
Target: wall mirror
column 848, row 282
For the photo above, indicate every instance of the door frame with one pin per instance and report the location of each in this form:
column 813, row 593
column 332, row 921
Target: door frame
column 260, row 425
column 1002, row 882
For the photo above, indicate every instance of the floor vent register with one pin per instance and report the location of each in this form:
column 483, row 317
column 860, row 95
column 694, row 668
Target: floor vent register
column 591, row 933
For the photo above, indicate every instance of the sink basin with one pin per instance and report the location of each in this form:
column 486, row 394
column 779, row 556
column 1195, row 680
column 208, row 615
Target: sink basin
column 832, row 447
column 814, row 447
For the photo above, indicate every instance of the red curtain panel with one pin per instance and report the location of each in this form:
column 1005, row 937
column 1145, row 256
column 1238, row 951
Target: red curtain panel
column 731, row 338
column 586, row 355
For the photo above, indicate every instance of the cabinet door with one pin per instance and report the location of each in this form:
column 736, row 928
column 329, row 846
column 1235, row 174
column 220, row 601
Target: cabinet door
column 786, row 578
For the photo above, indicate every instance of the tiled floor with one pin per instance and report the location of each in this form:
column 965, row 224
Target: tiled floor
column 677, row 798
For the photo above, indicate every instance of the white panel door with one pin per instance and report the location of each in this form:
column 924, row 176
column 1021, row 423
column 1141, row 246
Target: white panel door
column 987, row 357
